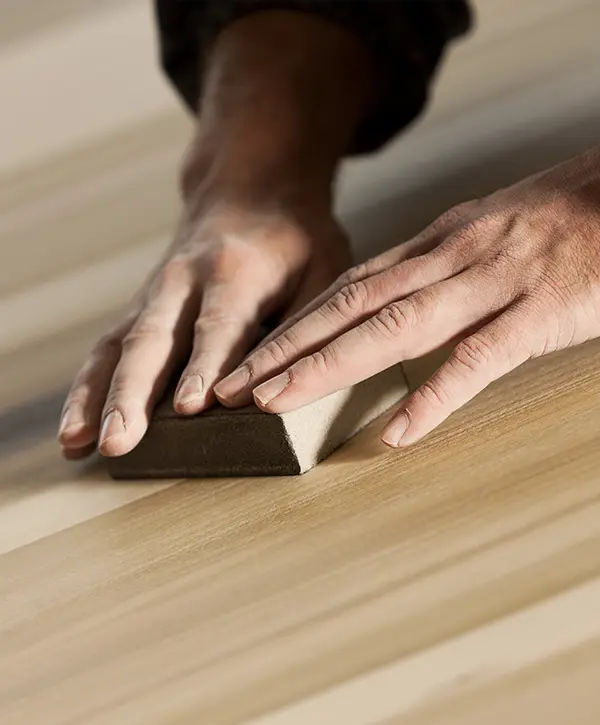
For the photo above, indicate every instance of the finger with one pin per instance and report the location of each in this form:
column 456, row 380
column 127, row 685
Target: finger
column 224, row 331
column 347, row 307
column 400, row 331
column 477, row 361
column 423, row 243
column 156, row 342
column 82, row 410
column 242, row 285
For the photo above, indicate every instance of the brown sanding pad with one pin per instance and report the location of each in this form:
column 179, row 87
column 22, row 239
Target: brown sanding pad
column 249, row 442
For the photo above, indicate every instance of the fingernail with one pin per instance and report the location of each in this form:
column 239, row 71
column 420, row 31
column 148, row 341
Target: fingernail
column 230, row 386
column 113, row 425
column 268, row 391
column 190, row 389
column 72, row 418
column 394, row 432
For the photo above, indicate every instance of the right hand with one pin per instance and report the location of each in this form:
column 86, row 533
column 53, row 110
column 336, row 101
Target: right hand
column 232, row 265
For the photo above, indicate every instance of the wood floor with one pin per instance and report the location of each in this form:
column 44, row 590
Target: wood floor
column 456, row 583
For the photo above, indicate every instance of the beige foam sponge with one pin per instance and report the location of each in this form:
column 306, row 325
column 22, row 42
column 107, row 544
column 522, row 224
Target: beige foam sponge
column 249, row 442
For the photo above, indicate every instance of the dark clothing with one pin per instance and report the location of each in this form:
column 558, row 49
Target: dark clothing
column 406, row 39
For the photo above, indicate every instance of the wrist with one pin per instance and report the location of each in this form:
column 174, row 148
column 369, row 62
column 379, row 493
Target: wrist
column 282, row 98
column 248, row 172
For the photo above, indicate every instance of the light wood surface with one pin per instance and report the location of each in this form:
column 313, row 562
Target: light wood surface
column 456, row 583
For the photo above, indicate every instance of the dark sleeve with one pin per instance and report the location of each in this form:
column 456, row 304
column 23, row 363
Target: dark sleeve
column 406, row 39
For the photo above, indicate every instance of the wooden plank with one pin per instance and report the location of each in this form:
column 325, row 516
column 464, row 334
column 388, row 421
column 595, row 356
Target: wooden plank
column 465, row 569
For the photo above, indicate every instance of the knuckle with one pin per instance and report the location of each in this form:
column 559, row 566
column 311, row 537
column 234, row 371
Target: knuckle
column 432, row 394
column 473, row 353
column 346, row 278
column 481, row 227
column 468, row 233
column 356, row 274
column 203, row 325
column 453, row 215
column 279, row 350
column 465, row 208
column 225, row 258
column 174, row 272
column 409, row 270
column 321, row 362
column 208, row 321
column 351, row 299
column 395, row 318
column 141, row 333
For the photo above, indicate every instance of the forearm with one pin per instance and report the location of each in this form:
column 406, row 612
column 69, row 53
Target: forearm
column 404, row 40
column 283, row 94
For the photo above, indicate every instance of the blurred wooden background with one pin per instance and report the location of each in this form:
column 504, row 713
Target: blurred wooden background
column 458, row 582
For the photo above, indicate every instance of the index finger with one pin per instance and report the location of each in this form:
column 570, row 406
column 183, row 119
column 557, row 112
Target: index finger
column 400, row 331
column 341, row 308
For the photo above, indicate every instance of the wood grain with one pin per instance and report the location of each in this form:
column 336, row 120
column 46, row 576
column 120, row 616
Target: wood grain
column 455, row 583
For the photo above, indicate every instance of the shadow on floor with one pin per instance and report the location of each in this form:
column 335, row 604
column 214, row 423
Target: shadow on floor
column 30, row 423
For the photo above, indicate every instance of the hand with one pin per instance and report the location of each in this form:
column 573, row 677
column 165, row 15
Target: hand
column 229, row 269
column 510, row 277
column 282, row 97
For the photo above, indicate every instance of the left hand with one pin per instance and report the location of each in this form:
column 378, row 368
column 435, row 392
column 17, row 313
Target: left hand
column 509, row 277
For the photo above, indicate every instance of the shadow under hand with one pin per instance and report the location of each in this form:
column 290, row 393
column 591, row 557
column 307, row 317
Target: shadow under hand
column 31, row 462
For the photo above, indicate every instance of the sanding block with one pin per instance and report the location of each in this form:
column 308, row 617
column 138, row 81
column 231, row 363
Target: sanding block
column 250, row 442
